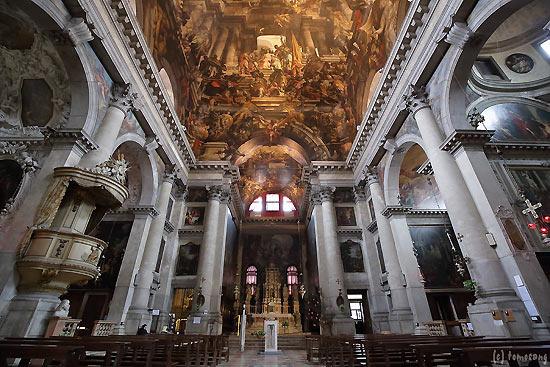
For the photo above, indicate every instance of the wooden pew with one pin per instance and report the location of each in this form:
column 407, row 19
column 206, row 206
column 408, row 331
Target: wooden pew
column 487, row 356
column 51, row 354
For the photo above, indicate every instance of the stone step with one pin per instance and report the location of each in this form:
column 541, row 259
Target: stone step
column 284, row 342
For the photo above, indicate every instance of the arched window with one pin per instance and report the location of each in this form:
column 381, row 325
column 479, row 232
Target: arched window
column 272, row 205
column 292, row 276
column 251, row 275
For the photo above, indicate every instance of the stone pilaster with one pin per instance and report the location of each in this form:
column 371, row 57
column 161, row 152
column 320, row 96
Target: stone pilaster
column 377, row 299
column 494, row 290
column 122, row 101
column 206, row 317
column 138, row 313
column 401, row 317
column 333, row 289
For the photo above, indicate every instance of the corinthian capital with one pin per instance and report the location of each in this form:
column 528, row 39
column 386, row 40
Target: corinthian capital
column 170, row 176
column 322, row 194
column 123, row 98
column 219, row 192
column 359, row 194
column 416, row 99
column 371, row 175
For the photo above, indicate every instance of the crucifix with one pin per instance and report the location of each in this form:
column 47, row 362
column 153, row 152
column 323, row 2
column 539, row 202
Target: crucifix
column 531, row 208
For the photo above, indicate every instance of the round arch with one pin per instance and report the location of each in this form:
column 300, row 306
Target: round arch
column 143, row 181
column 51, row 16
column 483, row 22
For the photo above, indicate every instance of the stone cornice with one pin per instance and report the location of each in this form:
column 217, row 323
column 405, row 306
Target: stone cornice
column 142, row 209
column 169, row 227
column 329, row 166
column 229, row 169
column 287, row 220
column 397, row 60
column 350, row 232
column 190, row 230
column 426, row 212
column 461, row 138
column 134, row 39
column 517, row 146
column 425, row 168
column 391, row 210
column 372, row 227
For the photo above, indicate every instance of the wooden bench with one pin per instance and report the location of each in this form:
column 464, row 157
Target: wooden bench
column 51, row 354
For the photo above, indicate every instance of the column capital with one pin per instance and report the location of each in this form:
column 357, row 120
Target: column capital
column 123, row 97
column 321, row 194
column 371, row 175
column 359, row 194
column 416, row 99
column 170, row 176
column 219, row 192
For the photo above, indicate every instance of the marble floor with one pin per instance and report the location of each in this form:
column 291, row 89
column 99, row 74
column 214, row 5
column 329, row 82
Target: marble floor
column 251, row 358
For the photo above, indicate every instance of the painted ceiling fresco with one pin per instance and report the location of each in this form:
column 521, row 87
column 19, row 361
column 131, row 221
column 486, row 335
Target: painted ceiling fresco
column 271, row 84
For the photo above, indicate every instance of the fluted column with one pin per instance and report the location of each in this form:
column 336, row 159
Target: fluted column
column 494, row 290
column 341, row 322
column 206, row 317
column 138, row 311
column 377, row 299
column 122, row 101
column 401, row 319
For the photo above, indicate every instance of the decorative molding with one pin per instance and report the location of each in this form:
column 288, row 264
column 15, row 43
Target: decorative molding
column 458, row 34
column 190, row 230
column 518, row 146
column 397, row 60
column 426, row 168
column 78, row 31
column 426, row 212
column 169, row 227
column 141, row 209
column 416, row 99
column 69, row 137
column 356, row 233
column 461, row 138
column 391, row 210
column 372, row 227
column 284, row 220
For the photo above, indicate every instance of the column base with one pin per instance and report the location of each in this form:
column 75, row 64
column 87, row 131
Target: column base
column 401, row 322
column 380, row 322
column 337, row 325
column 28, row 315
column 204, row 324
column 135, row 318
column 485, row 312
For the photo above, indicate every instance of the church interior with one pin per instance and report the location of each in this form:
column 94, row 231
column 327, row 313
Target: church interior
column 333, row 177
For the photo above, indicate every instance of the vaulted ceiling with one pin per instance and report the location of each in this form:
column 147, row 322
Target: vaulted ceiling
column 271, row 85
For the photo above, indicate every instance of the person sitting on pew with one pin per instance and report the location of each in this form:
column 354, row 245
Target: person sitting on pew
column 142, row 330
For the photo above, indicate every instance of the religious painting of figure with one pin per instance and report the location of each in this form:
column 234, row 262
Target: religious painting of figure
column 534, row 183
column 11, row 175
column 415, row 189
column 517, row 121
column 352, row 257
column 345, row 216
column 194, row 216
column 263, row 250
column 116, row 235
column 104, row 83
column 343, row 195
column 439, row 259
column 197, row 195
column 188, row 259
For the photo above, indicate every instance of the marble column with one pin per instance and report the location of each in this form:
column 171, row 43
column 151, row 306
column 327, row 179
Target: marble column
column 106, row 134
column 163, row 298
column 124, row 289
column 138, row 313
column 377, row 299
column 494, row 292
column 409, row 266
column 401, row 317
column 338, row 317
column 498, row 214
column 206, row 317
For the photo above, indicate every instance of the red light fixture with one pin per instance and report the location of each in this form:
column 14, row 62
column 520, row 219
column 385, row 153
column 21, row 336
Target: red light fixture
column 532, row 225
column 544, row 230
column 546, row 218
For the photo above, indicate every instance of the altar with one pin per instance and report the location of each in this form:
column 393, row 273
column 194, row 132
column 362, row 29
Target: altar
column 273, row 302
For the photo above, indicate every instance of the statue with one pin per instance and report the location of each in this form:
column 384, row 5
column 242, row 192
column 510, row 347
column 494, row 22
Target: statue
column 113, row 168
column 62, row 310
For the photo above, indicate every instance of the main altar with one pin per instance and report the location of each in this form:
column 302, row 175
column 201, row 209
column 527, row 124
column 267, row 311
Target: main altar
column 273, row 301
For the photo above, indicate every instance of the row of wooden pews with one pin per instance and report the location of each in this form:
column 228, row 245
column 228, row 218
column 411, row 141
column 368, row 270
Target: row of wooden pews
column 116, row 351
column 426, row 351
